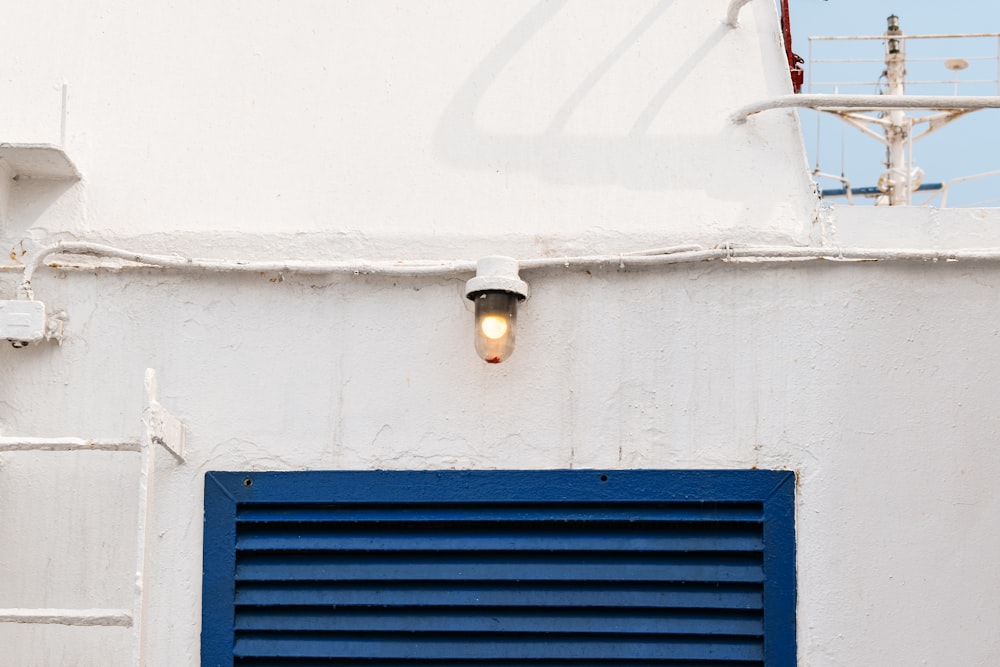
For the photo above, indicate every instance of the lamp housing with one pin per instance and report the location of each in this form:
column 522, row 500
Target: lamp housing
column 496, row 292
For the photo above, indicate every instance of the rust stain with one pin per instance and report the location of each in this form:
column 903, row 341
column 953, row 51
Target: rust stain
column 14, row 254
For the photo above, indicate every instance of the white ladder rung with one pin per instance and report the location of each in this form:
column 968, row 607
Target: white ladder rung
column 105, row 617
column 22, row 444
column 161, row 429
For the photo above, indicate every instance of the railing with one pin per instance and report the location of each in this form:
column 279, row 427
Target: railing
column 946, row 187
column 943, row 66
column 976, row 72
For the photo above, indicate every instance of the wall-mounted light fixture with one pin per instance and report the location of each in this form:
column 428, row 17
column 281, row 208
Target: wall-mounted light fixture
column 496, row 290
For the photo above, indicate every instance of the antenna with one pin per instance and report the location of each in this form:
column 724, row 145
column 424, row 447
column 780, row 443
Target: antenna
column 893, row 126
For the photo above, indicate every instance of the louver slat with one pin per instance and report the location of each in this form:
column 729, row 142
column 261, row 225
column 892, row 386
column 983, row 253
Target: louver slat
column 295, row 537
column 493, row 619
column 420, row 566
column 506, row 662
column 547, row 647
column 577, row 595
column 472, row 513
column 454, row 582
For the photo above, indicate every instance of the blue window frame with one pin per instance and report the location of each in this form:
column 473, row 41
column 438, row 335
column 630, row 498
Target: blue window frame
column 491, row 568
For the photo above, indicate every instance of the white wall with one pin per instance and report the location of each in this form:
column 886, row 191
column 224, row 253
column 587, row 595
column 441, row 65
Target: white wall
column 547, row 118
column 458, row 129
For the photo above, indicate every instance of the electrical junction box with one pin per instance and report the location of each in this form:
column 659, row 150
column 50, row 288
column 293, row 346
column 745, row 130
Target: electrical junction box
column 22, row 321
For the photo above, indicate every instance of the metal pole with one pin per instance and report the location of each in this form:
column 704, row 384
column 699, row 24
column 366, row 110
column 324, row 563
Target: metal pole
column 897, row 130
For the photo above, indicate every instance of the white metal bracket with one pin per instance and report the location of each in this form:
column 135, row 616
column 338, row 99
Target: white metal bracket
column 38, row 161
column 162, row 428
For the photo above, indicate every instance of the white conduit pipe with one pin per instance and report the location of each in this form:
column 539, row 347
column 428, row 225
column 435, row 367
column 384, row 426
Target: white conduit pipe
column 868, row 103
column 665, row 251
column 649, row 258
column 16, row 444
column 357, row 267
column 770, row 253
column 733, row 14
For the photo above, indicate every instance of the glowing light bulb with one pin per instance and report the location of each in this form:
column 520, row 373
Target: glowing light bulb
column 494, row 326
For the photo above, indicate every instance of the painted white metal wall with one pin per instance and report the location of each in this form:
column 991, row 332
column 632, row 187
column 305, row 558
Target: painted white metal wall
column 547, row 118
column 396, row 130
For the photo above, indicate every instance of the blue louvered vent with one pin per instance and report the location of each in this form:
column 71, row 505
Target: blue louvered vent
column 596, row 577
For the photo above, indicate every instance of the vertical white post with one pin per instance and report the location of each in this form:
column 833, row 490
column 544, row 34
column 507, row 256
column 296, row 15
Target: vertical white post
column 147, row 467
column 810, row 65
column 898, row 129
column 62, row 118
column 911, row 173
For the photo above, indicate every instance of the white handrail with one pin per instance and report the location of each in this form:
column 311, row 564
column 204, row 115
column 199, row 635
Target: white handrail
column 844, row 38
column 867, row 102
column 846, row 183
column 733, row 14
column 947, row 185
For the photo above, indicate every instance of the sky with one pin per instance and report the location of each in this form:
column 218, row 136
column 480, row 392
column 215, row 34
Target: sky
column 970, row 145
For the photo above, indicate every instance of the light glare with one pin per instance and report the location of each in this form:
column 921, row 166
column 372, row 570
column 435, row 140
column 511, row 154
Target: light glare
column 494, row 326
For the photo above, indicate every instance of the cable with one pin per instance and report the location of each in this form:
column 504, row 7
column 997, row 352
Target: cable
column 408, row 268
column 679, row 254
column 357, row 267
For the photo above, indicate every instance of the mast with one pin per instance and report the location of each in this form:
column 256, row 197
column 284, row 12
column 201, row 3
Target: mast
column 897, row 131
column 884, row 116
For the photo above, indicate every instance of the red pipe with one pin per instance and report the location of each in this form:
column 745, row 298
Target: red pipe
column 794, row 61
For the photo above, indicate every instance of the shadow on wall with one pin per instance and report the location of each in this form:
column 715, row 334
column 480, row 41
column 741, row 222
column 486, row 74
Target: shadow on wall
column 27, row 201
column 636, row 160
